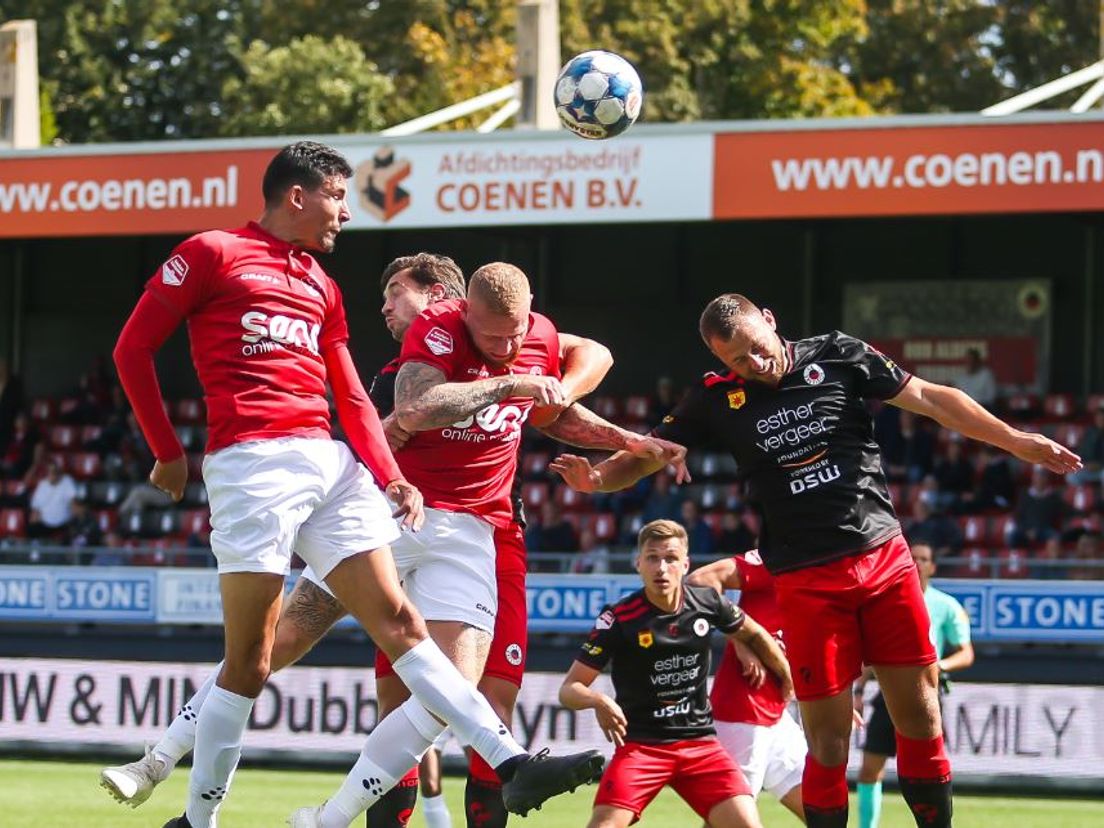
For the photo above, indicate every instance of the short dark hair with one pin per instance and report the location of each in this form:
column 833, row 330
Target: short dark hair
column 428, row 269
column 723, row 316
column 306, row 163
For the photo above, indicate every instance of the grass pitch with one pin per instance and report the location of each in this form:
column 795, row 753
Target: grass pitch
column 53, row 794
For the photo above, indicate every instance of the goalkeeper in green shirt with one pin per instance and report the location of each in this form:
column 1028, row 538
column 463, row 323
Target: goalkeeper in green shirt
column 950, row 633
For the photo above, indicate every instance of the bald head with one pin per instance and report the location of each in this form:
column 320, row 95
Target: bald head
column 725, row 315
column 501, row 288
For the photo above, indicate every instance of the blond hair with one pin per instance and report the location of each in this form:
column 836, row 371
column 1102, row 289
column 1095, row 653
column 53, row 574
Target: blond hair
column 662, row 530
column 502, row 287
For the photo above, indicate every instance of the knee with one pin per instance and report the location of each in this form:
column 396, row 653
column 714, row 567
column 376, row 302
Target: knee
column 247, row 677
column 402, row 629
column 829, row 748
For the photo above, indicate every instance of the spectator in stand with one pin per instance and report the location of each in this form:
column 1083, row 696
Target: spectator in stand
column 552, row 533
column 955, row 477
column 1090, row 557
column 114, row 425
column 83, row 531
column 933, row 528
column 593, row 556
column 24, row 449
column 110, row 552
column 978, row 381
column 51, row 503
column 735, row 535
column 701, row 536
column 1092, row 451
column 996, row 489
column 915, row 453
column 664, row 501
column 1039, row 512
column 11, row 400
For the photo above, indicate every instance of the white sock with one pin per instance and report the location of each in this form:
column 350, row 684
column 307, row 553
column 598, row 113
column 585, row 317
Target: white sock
column 179, row 739
column 436, row 812
column 394, row 746
column 219, row 730
column 438, row 685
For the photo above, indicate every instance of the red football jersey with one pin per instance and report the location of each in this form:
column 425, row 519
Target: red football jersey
column 260, row 314
column 469, row 466
column 733, row 699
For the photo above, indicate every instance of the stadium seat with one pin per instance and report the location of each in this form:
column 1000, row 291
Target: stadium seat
column 158, row 523
column 186, row 434
column 631, row 524
column 66, row 406
column 130, row 524
column 1058, row 406
column 975, row 529
column 605, row 526
column 42, row 410
column 571, row 500
column 1022, row 405
column 975, row 565
column 14, row 489
column 999, row 529
column 89, row 433
column 534, row 465
column 13, row 523
column 195, row 465
column 188, row 411
column 533, row 495
column 713, row 520
column 193, row 522
column 1069, row 434
column 62, row 437
column 195, row 494
column 1013, row 563
column 107, row 519
column 1082, row 499
column 637, row 408
column 106, row 493
column 1093, row 402
column 606, row 406
column 85, row 465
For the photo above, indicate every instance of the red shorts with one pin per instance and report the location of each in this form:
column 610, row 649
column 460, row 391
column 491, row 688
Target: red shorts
column 699, row 770
column 862, row 609
column 510, row 644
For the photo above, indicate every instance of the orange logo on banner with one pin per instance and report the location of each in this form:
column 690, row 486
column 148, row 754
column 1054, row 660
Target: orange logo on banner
column 377, row 183
column 996, row 167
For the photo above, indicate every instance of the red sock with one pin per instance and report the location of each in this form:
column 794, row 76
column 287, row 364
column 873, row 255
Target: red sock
column 922, row 759
column 824, row 788
column 480, row 771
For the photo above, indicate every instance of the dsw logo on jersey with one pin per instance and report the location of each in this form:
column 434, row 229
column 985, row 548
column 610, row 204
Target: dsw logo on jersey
column 266, row 333
column 812, row 479
column 495, row 419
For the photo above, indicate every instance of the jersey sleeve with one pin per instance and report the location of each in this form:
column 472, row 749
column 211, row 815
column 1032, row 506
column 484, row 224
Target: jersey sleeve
column 686, row 425
column 551, row 338
column 429, row 341
column 882, row 378
column 956, row 625
column 725, row 615
column 335, row 327
column 598, row 648
column 753, row 575
column 183, row 280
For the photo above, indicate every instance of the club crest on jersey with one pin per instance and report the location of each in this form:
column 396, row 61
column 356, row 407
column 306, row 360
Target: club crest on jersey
column 439, row 341
column 513, row 654
column 701, row 627
column 174, row 270
column 814, row 374
column 645, row 638
column 737, row 398
column 605, row 620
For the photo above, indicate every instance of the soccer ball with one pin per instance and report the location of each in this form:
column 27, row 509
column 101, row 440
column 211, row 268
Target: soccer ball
column 598, row 95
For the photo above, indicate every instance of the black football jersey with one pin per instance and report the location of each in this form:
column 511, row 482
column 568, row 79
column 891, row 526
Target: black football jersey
column 805, row 448
column 661, row 661
column 382, row 394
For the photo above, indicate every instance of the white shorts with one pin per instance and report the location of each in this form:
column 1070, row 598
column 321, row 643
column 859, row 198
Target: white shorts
column 447, row 569
column 771, row 757
column 272, row 498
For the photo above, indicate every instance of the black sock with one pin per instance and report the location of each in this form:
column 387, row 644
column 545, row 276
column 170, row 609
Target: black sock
column 483, row 806
column 393, row 809
column 825, row 817
column 929, row 800
column 507, row 769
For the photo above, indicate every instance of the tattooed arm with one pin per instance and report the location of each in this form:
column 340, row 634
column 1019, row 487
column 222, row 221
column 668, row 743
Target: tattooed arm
column 579, row 426
column 424, row 399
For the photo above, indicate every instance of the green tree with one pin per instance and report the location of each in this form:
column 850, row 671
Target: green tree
column 308, row 85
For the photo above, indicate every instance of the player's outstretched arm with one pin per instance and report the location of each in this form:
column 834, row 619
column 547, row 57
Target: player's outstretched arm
column 719, row 575
column 576, row 694
column 762, row 643
column 581, row 427
column 424, row 398
column 150, row 324
column 955, row 410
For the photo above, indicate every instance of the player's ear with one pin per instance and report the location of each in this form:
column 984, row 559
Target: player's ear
column 767, row 315
column 295, row 197
column 436, row 292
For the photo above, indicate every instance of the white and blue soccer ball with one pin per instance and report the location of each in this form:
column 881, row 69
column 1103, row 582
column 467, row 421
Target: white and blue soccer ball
column 598, row 95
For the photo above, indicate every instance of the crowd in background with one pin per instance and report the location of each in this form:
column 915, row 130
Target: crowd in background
column 74, row 488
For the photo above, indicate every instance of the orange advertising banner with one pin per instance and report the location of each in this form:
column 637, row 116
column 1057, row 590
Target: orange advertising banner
column 910, row 170
column 120, row 194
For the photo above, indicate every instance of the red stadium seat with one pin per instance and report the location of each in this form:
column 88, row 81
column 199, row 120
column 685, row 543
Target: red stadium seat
column 999, row 528
column 605, row 526
column 43, row 410
column 571, row 500
column 195, row 465
column 62, row 437
column 13, row 523
column 188, row 411
column 1081, row 499
column 193, row 522
column 713, row 520
column 1093, row 402
column 1023, row 405
column 637, row 408
column 975, row 529
column 976, row 564
column 534, row 464
column 1013, row 563
column 14, row 489
column 66, row 406
column 85, row 465
column 533, row 495
column 606, row 406
column 1058, row 406
column 107, row 519
column 89, row 433
column 1069, row 434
